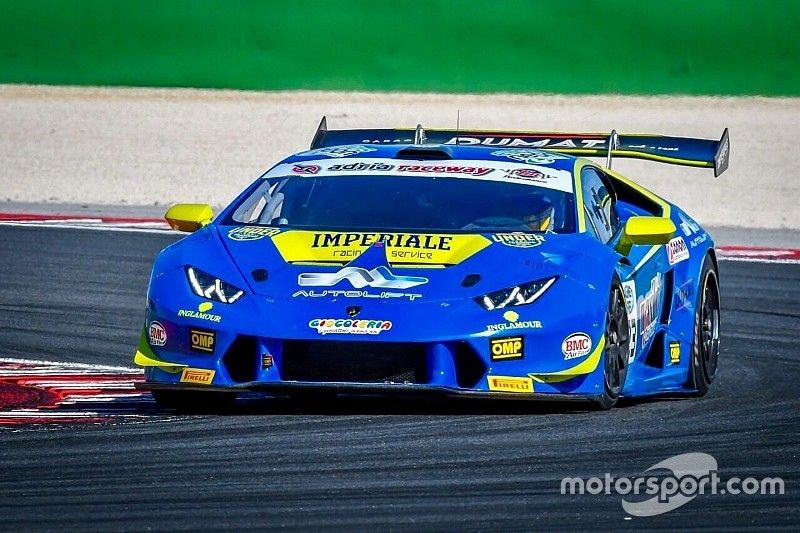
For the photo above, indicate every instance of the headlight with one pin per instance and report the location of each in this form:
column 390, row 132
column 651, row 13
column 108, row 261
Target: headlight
column 207, row 286
column 523, row 294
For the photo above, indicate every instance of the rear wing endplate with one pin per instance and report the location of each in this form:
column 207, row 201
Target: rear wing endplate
column 675, row 150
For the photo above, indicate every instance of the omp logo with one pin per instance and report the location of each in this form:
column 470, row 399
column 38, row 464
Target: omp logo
column 510, row 384
column 506, row 348
column 197, row 375
column 379, row 277
column 202, row 341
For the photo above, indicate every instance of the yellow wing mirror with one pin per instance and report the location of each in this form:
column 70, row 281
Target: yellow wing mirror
column 189, row 217
column 645, row 230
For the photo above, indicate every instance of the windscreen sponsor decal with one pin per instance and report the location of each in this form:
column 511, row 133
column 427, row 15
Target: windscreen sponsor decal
column 378, row 277
column 508, row 172
column 299, row 168
column 677, row 251
column 401, row 248
column 346, row 150
column 251, row 233
column 518, row 240
column 346, row 326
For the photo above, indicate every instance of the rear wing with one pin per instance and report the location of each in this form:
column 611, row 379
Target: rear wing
column 675, row 150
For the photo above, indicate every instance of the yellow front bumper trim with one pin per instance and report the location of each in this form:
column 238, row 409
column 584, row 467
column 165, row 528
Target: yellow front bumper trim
column 587, row 366
column 146, row 358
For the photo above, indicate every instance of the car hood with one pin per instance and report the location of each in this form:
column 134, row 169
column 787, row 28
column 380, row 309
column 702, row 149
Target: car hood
column 397, row 267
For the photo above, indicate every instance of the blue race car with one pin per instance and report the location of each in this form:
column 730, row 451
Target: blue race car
column 460, row 263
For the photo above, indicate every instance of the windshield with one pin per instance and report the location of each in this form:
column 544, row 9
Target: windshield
column 398, row 203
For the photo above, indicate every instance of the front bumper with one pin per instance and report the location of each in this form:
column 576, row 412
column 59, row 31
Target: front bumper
column 457, row 368
column 288, row 388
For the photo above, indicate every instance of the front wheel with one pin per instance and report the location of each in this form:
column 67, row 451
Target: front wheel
column 705, row 348
column 617, row 348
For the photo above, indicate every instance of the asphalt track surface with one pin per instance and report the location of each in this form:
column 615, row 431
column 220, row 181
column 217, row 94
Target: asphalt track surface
column 78, row 295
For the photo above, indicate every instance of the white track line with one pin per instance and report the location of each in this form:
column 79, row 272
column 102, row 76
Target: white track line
column 89, row 366
column 95, row 227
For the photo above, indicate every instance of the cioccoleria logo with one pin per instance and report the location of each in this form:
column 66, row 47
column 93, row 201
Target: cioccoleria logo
column 652, row 494
column 349, row 327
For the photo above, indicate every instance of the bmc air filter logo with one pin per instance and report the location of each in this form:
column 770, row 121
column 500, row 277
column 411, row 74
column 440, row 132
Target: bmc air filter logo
column 157, row 334
column 576, row 345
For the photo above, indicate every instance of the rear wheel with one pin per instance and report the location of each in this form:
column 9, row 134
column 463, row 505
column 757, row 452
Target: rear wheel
column 195, row 401
column 617, row 348
column 705, row 348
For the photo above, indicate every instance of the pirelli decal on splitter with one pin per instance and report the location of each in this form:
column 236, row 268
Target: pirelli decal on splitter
column 198, row 376
column 510, row 384
column 401, row 248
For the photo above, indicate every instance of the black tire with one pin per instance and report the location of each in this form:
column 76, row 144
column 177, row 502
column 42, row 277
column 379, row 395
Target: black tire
column 705, row 346
column 194, row 401
column 617, row 348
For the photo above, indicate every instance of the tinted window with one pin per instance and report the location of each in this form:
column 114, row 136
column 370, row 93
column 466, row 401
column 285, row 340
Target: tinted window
column 598, row 205
column 407, row 203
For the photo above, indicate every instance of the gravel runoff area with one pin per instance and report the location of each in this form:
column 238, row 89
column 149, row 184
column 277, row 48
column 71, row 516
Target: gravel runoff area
column 127, row 146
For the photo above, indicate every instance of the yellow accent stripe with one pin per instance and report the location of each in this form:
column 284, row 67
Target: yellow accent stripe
column 145, row 357
column 666, row 210
column 576, row 174
column 587, row 366
column 632, row 154
column 650, row 253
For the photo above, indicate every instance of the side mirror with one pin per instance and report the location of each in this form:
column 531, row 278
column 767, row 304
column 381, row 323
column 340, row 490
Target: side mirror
column 189, row 217
column 645, row 230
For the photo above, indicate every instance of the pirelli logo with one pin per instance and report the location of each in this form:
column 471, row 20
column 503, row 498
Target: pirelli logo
column 505, row 348
column 510, row 384
column 202, row 341
column 199, row 376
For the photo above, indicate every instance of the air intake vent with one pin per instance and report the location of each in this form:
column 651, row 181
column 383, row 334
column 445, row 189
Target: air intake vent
column 424, row 154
